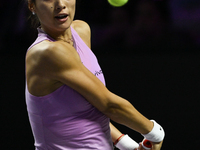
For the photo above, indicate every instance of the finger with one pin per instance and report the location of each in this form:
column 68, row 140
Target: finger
column 157, row 146
column 141, row 147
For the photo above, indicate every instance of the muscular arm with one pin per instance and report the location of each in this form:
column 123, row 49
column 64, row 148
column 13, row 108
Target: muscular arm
column 86, row 36
column 60, row 62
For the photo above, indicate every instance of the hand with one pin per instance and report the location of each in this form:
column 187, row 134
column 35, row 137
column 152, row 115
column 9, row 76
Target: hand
column 140, row 147
column 157, row 146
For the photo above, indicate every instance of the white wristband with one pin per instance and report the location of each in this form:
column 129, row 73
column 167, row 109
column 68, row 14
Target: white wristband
column 126, row 143
column 157, row 134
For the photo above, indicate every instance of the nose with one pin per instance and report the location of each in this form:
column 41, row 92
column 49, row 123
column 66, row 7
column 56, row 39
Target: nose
column 60, row 5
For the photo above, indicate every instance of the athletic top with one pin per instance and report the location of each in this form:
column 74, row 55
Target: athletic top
column 64, row 119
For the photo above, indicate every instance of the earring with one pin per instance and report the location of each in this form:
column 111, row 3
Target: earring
column 33, row 13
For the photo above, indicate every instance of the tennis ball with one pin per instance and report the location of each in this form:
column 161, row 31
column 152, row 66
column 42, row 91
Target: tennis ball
column 117, row 3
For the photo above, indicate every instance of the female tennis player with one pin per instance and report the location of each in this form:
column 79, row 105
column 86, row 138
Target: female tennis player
column 68, row 104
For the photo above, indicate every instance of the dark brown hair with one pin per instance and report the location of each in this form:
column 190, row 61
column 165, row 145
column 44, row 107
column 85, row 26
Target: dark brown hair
column 33, row 18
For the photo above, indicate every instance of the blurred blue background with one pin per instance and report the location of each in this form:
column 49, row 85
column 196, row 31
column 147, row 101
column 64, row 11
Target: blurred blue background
column 149, row 52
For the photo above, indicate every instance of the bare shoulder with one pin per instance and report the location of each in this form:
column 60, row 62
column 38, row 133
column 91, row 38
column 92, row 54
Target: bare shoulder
column 49, row 56
column 40, row 52
column 81, row 27
column 45, row 64
column 49, row 49
column 83, row 30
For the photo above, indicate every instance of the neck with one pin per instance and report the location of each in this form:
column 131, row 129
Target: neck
column 65, row 35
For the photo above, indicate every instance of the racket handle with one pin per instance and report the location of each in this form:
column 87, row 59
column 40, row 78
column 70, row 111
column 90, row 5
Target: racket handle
column 146, row 144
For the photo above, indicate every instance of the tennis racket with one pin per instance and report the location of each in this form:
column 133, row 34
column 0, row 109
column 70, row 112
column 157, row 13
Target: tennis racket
column 146, row 144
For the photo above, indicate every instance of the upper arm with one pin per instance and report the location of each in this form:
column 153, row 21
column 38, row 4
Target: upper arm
column 74, row 74
column 62, row 63
column 83, row 30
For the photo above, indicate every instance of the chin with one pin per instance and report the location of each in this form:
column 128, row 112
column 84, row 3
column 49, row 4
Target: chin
column 62, row 28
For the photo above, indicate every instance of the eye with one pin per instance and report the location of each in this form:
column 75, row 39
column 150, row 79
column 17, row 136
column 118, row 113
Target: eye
column 47, row 0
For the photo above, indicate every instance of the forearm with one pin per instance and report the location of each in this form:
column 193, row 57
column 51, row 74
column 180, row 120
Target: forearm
column 122, row 141
column 124, row 113
column 115, row 133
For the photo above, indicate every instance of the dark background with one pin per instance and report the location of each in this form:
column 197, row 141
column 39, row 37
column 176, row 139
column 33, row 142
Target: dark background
column 148, row 51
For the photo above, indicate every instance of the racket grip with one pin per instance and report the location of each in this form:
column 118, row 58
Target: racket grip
column 146, row 144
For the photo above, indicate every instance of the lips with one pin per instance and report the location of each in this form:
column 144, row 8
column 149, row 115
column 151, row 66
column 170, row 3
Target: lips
column 61, row 17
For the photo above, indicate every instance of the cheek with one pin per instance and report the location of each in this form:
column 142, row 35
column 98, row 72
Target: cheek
column 44, row 12
column 73, row 6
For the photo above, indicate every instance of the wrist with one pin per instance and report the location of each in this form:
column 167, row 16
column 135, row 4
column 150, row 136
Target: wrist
column 118, row 139
column 125, row 142
column 156, row 134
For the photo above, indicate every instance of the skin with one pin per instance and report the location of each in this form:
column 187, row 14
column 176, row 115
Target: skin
column 156, row 146
column 45, row 73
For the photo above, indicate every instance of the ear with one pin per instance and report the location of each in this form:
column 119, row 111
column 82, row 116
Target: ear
column 31, row 6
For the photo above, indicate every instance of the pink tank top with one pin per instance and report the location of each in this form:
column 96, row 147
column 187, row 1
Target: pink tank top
column 64, row 119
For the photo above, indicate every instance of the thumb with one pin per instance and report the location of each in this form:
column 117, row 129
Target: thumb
column 157, row 146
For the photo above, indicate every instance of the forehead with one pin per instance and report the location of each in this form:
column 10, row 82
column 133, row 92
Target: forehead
column 52, row 1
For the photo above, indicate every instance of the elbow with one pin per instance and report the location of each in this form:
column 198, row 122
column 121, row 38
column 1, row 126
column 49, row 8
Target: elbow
column 117, row 108
column 113, row 113
column 113, row 106
column 112, row 109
